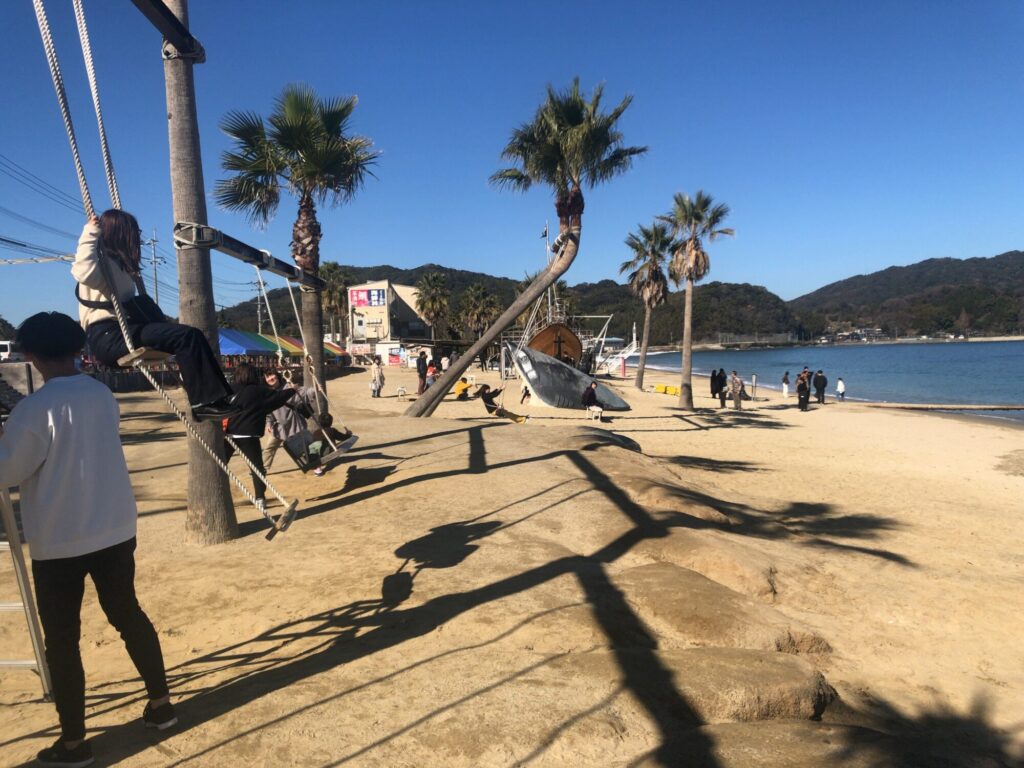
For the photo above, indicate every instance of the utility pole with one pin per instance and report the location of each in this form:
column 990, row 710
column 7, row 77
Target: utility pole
column 156, row 287
column 259, row 312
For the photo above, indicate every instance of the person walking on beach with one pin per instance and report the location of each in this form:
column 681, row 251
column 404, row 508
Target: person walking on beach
column 421, row 372
column 723, row 387
column 714, row 383
column 840, row 389
column 803, row 390
column 62, row 446
column 736, row 390
column 376, row 377
column 785, row 384
column 820, row 382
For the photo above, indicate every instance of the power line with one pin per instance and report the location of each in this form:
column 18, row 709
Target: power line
column 37, row 224
column 33, row 182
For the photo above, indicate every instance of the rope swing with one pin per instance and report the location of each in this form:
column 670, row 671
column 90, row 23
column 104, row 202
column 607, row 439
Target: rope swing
column 137, row 357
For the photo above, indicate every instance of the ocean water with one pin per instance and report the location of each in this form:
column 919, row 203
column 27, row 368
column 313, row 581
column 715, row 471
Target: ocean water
column 975, row 373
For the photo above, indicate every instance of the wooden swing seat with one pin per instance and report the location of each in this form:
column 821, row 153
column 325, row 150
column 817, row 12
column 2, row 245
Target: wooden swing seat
column 143, row 355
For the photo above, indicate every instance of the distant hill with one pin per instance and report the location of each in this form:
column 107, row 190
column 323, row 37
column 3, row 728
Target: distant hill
column 980, row 295
column 6, row 330
column 718, row 307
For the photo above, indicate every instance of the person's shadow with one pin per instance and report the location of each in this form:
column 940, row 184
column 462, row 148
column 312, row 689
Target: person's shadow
column 444, row 547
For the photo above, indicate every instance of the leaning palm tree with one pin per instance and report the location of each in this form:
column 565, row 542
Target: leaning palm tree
column 692, row 221
column 305, row 149
column 651, row 246
column 432, row 300
column 569, row 143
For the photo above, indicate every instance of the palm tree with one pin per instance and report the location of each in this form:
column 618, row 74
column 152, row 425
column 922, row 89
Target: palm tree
column 305, row 149
column 477, row 309
column 432, row 300
column 692, row 221
column 651, row 246
column 334, row 296
column 569, row 143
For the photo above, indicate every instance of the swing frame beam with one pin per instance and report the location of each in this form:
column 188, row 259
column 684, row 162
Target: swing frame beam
column 190, row 235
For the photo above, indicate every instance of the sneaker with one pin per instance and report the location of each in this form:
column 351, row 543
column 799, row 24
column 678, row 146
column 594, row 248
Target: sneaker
column 319, row 471
column 261, row 505
column 58, row 754
column 161, row 717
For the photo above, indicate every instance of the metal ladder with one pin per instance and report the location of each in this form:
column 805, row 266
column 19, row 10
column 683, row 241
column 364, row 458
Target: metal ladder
column 13, row 545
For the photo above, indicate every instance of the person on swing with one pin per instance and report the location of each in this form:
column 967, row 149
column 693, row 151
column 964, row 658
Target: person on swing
column 115, row 235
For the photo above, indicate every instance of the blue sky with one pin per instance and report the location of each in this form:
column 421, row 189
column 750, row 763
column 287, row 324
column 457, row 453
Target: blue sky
column 845, row 137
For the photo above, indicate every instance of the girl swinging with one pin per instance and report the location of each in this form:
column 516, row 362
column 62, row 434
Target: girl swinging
column 114, row 235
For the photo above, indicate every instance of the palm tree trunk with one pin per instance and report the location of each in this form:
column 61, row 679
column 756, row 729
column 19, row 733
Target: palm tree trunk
column 643, row 349
column 313, row 332
column 306, row 253
column 211, row 514
column 426, row 403
column 686, row 380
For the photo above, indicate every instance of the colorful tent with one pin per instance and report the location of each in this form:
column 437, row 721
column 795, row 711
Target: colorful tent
column 233, row 342
column 289, row 345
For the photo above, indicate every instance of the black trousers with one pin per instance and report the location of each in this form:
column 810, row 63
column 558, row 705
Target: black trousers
column 803, row 398
column 251, row 449
column 60, row 585
column 200, row 372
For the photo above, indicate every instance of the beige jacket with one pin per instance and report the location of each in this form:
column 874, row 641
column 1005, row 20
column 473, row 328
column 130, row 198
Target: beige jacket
column 92, row 287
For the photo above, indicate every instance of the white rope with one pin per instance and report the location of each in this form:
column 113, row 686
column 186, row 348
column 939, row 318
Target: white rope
column 62, row 100
column 108, row 165
column 270, row 314
column 58, row 85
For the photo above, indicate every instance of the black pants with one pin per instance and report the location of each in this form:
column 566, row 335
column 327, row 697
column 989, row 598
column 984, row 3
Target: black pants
column 819, row 395
column 60, row 585
column 200, row 373
column 721, row 398
column 803, row 398
column 250, row 448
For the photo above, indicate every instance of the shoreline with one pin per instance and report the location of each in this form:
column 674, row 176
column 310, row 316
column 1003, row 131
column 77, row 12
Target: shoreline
column 905, row 405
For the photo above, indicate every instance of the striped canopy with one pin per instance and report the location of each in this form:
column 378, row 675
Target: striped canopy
column 234, row 342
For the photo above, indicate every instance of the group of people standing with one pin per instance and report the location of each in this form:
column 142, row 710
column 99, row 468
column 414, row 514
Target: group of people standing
column 723, row 386
column 806, row 381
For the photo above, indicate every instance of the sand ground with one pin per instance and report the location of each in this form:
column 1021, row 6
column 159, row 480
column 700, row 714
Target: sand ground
column 466, row 591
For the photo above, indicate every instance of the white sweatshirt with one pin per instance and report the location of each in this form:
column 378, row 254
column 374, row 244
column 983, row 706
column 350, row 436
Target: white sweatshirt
column 62, row 446
column 87, row 272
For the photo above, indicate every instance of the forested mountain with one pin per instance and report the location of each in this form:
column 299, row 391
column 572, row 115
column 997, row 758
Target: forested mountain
column 977, row 296
column 6, row 330
column 717, row 308
column 981, row 295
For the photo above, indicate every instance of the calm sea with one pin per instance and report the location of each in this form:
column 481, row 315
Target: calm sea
column 976, row 373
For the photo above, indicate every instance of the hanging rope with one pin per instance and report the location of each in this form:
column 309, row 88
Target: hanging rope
column 286, row 517
column 270, row 314
column 108, row 165
column 62, row 99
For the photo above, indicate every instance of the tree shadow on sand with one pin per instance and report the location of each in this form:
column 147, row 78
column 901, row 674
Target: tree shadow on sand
column 232, row 677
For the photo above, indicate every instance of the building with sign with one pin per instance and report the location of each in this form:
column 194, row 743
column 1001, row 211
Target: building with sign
column 381, row 314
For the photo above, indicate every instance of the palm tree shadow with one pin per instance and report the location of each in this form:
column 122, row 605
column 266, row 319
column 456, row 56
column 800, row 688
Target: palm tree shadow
column 936, row 737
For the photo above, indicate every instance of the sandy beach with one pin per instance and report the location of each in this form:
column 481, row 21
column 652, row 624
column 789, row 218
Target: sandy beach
column 762, row 587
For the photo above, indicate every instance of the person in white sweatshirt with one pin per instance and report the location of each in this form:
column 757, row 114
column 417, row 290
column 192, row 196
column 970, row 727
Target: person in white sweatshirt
column 61, row 445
